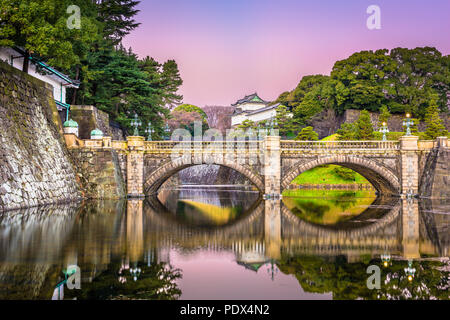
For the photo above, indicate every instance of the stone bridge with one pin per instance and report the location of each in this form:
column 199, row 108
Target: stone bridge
column 392, row 167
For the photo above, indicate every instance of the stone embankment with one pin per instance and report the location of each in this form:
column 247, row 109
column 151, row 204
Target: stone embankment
column 35, row 166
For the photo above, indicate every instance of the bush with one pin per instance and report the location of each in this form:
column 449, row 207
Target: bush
column 344, row 173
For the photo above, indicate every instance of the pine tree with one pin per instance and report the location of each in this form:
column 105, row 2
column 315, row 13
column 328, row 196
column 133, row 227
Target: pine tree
column 363, row 127
column 434, row 126
column 171, row 82
column 285, row 122
column 384, row 116
column 346, row 132
column 117, row 17
column 307, row 134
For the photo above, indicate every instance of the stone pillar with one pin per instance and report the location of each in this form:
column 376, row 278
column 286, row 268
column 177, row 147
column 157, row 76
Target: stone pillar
column 272, row 228
column 272, row 167
column 135, row 167
column 409, row 165
column 135, row 229
column 442, row 142
column 410, row 226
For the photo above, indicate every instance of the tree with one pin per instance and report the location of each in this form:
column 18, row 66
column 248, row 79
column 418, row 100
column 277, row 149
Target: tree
column 285, row 122
column 363, row 127
column 307, row 134
column 346, row 132
column 171, row 81
column 185, row 115
column 434, row 126
column 40, row 28
column 384, row 115
column 123, row 86
column 295, row 97
column 247, row 124
column 117, row 17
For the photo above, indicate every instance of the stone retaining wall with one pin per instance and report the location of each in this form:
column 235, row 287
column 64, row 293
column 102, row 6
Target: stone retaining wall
column 99, row 172
column 35, row 166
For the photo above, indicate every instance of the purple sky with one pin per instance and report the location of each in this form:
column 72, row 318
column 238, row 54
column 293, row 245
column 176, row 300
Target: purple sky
column 226, row 49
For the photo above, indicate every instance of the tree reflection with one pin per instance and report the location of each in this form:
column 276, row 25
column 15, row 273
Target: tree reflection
column 155, row 282
column 348, row 280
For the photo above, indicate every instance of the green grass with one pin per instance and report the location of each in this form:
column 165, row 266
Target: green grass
column 326, row 175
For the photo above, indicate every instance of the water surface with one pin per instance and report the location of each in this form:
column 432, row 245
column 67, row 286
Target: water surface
column 228, row 243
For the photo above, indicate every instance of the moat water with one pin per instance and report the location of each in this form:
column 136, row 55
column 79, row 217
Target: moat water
column 227, row 243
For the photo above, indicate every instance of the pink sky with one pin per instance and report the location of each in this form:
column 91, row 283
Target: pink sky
column 227, row 49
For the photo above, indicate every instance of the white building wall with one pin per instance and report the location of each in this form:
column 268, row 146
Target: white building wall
column 59, row 91
column 260, row 116
column 252, row 106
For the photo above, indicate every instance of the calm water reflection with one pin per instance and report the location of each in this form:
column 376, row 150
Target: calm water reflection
column 228, row 244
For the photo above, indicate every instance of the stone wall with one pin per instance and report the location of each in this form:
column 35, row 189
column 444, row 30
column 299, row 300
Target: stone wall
column 99, row 172
column 35, row 166
column 90, row 118
column 435, row 178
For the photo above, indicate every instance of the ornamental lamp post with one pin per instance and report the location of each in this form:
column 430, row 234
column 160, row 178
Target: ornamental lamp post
column 135, row 272
column 268, row 124
column 166, row 132
column 149, row 131
column 386, row 259
column 136, row 123
column 410, row 271
column 384, row 129
column 408, row 122
column 274, row 124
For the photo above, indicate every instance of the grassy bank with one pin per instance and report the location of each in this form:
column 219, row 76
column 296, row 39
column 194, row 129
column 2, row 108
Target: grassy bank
column 328, row 174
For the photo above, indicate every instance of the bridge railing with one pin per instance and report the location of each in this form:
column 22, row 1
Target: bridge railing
column 287, row 145
column 202, row 146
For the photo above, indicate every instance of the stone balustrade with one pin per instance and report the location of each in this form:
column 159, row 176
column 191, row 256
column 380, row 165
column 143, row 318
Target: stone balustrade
column 393, row 167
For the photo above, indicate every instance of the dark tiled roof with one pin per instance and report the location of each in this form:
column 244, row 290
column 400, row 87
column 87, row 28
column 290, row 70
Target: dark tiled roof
column 252, row 98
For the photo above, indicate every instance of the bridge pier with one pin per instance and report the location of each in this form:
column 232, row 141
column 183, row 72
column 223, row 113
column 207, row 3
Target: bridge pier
column 272, row 228
column 272, row 167
column 135, row 167
column 409, row 159
column 410, row 226
column 135, row 229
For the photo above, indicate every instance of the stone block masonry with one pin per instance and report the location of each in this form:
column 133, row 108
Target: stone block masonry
column 99, row 173
column 35, row 165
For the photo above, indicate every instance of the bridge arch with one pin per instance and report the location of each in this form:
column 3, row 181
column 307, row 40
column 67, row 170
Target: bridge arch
column 383, row 179
column 156, row 178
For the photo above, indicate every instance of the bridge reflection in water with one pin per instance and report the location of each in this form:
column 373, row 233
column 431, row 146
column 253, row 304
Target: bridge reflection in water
column 110, row 239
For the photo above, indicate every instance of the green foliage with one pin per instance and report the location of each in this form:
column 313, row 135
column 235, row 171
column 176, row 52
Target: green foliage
column 185, row 115
column 307, row 134
column 117, row 18
column 346, row 132
column 434, row 126
column 347, row 280
column 285, row 123
column 112, row 79
column 40, row 28
column 247, row 124
column 384, row 116
column 156, row 282
column 191, row 108
column 344, row 173
column 390, row 82
column 171, row 81
column 363, row 127
column 327, row 174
